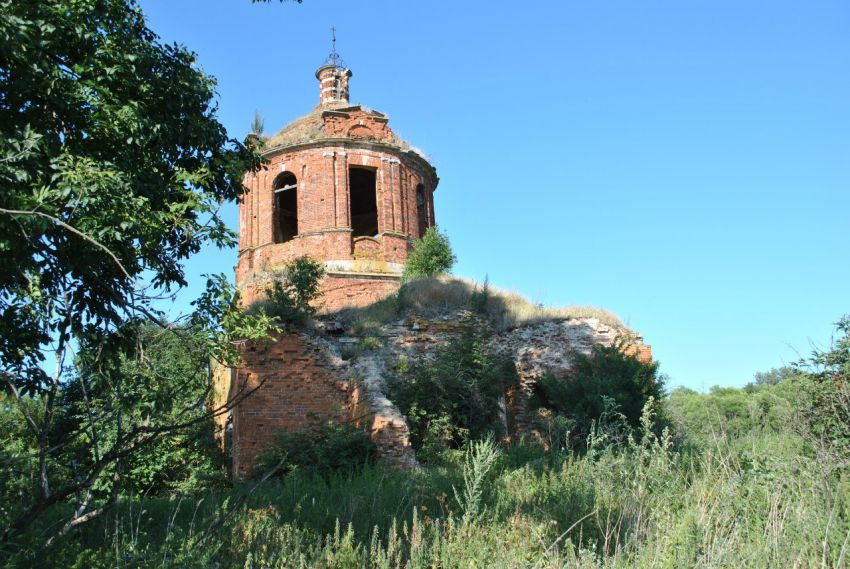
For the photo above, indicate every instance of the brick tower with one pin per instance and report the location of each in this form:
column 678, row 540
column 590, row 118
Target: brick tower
column 341, row 187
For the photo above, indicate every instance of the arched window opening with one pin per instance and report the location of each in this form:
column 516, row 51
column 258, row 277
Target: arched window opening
column 364, row 202
column 285, row 189
column 421, row 209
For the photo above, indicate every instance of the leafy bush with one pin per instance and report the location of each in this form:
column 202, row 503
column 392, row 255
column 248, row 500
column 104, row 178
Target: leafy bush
column 294, row 290
column 454, row 397
column 321, row 449
column 431, row 256
column 698, row 418
column 479, row 460
column 166, row 379
column 606, row 380
column 826, row 408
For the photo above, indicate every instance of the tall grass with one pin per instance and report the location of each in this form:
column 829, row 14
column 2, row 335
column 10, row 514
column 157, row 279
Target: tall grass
column 433, row 297
column 757, row 499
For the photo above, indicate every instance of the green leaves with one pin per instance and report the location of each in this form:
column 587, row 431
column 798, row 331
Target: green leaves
column 112, row 157
column 606, row 379
column 431, row 256
column 295, row 290
column 455, row 396
column 113, row 166
column 223, row 323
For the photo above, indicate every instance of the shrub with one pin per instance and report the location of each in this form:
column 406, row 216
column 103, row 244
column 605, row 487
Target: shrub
column 608, row 379
column 454, row 397
column 826, row 405
column 431, row 256
column 697, row 418
column 321, row 449
column 292, row 295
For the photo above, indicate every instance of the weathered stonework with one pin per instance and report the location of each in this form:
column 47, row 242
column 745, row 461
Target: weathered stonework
column 304, row 373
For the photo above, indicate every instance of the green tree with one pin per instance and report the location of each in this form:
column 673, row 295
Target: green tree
column 609, row 379
column 258, row 125
column 773, row 377
column 294, row 290
column 431, row 256
column 826, row 407
column 165, row 381
column 113, row 167
column 698, row 418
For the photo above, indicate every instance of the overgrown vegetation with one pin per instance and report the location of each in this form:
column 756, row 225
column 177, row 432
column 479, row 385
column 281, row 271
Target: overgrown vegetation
column 321, row 449
column 740, row 477
column 429, row 297
column 761, row 498
column 609, row 382
column 291, row 297
column 113, row 167
column 431, row 256
column 158, row 384
column 454, row 397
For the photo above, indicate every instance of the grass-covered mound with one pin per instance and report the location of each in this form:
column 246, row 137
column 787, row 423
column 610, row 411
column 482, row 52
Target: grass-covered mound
column 437, row 296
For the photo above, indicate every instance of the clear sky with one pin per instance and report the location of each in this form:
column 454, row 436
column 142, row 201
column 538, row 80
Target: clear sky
column 685, row 165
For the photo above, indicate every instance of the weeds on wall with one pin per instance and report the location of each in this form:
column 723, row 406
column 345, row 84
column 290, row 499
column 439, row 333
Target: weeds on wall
column 431, row 297
column 322, row 449
column 431, row 256
column 454, row 397
column 294, row 290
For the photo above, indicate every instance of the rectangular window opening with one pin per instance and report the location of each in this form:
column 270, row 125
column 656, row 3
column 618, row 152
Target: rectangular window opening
column 364, row 202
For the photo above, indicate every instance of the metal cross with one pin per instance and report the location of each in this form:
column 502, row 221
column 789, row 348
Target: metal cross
column 334, row 55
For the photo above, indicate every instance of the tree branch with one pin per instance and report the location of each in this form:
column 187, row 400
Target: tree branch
column 73, row 230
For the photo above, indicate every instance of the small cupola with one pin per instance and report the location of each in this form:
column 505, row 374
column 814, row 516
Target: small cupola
column 333, row 79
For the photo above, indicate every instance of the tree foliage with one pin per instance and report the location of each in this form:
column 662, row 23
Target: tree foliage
column 608, row 380
column 113, row 167
column 431, row 256
column 774, row 376
column 826, row 408
column 258, row 125
column 294, row 290
column 699, row 418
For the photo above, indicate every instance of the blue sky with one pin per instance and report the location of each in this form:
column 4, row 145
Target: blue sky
column 685, row 165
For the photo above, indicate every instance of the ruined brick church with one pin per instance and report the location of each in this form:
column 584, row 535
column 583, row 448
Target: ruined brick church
column 341, row 187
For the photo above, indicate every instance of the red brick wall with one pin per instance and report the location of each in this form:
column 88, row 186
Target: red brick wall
column 290, row 381
column 287, row 386
column 324, row 221
column 341, row 291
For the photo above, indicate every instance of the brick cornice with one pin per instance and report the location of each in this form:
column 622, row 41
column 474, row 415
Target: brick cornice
column 360, row 144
